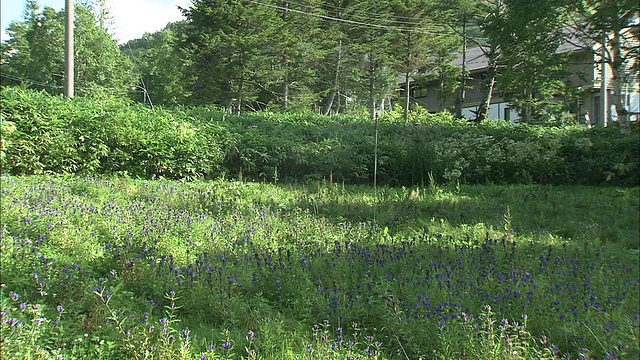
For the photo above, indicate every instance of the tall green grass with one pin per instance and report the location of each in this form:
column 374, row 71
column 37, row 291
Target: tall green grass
column 116, row 268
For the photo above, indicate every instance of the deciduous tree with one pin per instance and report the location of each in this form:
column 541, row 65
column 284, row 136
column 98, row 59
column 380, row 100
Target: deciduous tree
column 529, row 34
column 34, row 53
column 160, row 64
column 613, row 26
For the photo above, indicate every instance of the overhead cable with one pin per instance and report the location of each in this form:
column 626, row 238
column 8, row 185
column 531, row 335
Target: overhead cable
column 348, row 21
column 410, row 21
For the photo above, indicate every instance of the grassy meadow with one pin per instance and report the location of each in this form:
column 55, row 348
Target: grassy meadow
column 118, row 268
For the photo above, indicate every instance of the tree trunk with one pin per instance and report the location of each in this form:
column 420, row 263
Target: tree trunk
column 240, row 95
column 335, row 91
column 617, row 69
column 372, row 99
column 285, row 60
column 461, row 93
column 285, row 100
column 326, row 109
column 527, row 108
column 441, row 96
column 487, row 88
column 407, row 97
column 240, row 92
column 407, row 76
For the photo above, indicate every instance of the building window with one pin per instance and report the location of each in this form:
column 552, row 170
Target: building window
column 419, row 92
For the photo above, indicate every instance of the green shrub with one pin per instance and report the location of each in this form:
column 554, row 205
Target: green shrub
column 36, row 137
column 44, row 134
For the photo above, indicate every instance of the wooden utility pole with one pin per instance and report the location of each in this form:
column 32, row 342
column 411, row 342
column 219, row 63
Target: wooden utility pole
column 68, row 50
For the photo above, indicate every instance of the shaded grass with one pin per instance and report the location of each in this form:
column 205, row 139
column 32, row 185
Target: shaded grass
column 539, row 213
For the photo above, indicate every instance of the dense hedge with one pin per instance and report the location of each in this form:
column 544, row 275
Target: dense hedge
column 44, row 134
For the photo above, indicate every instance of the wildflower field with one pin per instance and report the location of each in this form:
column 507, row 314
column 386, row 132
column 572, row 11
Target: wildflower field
column 118, row 268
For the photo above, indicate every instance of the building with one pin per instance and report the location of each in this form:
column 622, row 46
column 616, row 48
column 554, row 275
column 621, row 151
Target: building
column 585, row 75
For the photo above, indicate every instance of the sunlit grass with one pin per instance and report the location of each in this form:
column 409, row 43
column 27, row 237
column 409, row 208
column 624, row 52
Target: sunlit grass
column 122, row 268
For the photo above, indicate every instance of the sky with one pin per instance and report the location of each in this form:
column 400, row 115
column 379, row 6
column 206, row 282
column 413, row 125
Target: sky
column 131, row 18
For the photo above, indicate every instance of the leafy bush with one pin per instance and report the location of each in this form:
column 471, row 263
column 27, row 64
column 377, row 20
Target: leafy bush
column 44, row 134
column 35, row 137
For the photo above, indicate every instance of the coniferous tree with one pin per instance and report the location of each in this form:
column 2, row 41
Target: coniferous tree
column 414, row 44
column 373, row 49
column 225, row 44
column 461, row 16
column 294, row 51
column 337, row 67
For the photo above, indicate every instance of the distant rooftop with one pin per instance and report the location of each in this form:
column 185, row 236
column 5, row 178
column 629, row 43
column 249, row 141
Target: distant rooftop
column 477, row 60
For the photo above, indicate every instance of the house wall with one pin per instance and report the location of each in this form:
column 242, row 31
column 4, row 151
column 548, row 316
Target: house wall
column 593, row 92
column 428, row 98
column 498, row 110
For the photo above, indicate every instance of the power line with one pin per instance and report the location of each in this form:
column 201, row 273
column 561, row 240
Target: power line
column 53, row 86
column 400, row 19
column 348, row 21
column 32, row 82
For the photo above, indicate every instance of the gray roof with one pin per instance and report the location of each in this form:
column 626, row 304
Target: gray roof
column 477, row 60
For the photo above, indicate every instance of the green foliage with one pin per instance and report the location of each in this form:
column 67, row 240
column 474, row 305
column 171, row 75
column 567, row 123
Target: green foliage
column 531, row 70
column 34, row 54
column 291, row 56
column 227, row 45
column 34, row 143
column 486, row 338
column 43, row 134
column 611, row 25
column 161, row 65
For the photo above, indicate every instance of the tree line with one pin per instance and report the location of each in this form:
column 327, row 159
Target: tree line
column 330, row 56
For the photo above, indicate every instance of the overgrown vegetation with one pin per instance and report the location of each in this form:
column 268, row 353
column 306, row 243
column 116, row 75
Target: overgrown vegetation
column 50, row 135
column 119, row 268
